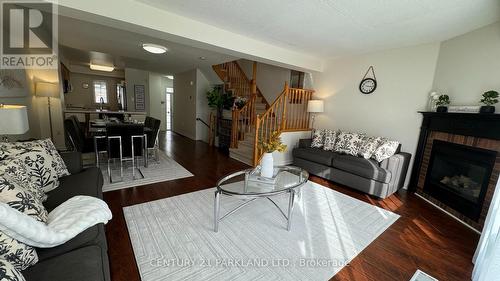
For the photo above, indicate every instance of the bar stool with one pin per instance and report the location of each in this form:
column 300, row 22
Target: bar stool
column 131, row 140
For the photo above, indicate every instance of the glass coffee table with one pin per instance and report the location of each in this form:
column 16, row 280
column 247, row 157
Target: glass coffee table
column 245, row 186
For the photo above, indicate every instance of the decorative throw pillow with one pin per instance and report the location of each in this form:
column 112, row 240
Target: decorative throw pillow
column 9, row 273
column 318, row 138
column 20, row 255
column 386, row 149
column 348, row 143
column 369, row 146
column 42, row 161
column 330, row 138
column 16, row 170
column 61, row 168
column 17, row 253
column 17, row 197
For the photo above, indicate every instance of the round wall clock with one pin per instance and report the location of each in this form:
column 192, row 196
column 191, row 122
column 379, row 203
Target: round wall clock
column 368, row 85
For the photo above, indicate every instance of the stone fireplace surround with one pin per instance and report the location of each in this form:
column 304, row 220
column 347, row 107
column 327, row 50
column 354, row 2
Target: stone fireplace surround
column 475, row 130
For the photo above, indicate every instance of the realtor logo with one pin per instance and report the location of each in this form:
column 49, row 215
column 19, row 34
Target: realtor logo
column 28, row 35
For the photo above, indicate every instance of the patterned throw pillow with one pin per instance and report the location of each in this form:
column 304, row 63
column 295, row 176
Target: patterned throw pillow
column 17, row 253
column 318, row 138
column 16, row 170
column 17, row 197
column 9, row 273
column 348, row 143
column 369, row 146
column 330, row 138
column 386, row 149
column 61, row 168
column 42, row 161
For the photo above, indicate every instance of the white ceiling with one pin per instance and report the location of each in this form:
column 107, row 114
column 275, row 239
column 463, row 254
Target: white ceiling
column 82, row 42
column 333, row 28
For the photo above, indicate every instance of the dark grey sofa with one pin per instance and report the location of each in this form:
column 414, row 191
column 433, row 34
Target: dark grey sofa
column 84, row 257
column 367, row 175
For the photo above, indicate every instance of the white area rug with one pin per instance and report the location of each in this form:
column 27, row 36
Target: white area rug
column 167, row 169
column 173, row 238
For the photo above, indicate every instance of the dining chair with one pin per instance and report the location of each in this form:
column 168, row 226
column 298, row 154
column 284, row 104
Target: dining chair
column 76, row 135
column 152, row 143
column 126, row 142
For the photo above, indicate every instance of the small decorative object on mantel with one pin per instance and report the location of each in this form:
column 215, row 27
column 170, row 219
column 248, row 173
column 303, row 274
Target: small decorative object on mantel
column 368, row 84
column 442, row 103
column 489, row 99
column 267, row 162
column 433, row 96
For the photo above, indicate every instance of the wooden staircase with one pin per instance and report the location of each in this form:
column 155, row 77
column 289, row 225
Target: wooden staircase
column 258, row 119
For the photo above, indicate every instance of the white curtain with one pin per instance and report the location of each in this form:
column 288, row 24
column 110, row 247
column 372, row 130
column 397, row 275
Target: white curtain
column 487, row 257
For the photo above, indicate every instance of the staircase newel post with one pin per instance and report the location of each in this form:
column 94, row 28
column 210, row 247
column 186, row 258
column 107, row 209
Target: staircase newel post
column 234, row 129
column 254, row 78
column 256, row 142
column 285, row 102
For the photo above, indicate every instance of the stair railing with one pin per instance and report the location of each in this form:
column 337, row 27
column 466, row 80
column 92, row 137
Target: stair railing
column 287, row 113
column 243, row 121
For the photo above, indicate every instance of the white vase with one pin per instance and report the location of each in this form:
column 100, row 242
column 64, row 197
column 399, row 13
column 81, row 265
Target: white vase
column 267, row 165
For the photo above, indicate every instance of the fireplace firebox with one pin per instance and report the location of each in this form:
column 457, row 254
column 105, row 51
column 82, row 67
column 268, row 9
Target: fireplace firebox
column 458, row 175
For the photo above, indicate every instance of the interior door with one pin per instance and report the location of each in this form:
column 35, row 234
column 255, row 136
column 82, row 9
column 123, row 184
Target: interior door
column 168, row 104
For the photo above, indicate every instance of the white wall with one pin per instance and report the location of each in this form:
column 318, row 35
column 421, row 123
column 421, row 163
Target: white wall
column 291, row 139
column 184, row 113
column 270, row 79
column 202, row 109
column 404, row 78
column 136, row 77
column 37, row 107
column 469, row 65
column 157, row 98
column 85, row 97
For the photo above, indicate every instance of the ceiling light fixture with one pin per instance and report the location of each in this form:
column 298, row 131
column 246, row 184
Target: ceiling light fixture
column 153, row 48
column 202, row 58
column 100, row 67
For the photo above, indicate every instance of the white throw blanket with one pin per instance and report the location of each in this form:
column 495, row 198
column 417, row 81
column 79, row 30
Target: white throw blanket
column 65, row 222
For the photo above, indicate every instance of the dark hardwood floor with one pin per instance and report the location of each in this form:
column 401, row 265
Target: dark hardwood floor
column 423, row 238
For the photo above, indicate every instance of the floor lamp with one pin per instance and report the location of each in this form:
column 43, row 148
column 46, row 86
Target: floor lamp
column 44, row 89
column 314, row 107
column 13, row 120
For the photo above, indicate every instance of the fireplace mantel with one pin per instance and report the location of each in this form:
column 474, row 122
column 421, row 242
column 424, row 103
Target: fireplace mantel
column 473, row 130
column 468, row 124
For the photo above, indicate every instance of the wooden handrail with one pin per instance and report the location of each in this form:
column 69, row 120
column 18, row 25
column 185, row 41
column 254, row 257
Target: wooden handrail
column 241, row 86
column 287, row 113
column 243, row 121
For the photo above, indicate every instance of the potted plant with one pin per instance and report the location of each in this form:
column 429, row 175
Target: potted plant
column 489, row 99
column 442, row 101
column 267, row 162
column 219, row 100
column 240, row 102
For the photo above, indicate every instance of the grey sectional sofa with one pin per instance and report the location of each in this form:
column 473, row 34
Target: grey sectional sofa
column 84, row 257
column 367, row 175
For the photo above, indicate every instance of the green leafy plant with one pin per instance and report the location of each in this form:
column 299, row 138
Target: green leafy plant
column 219, row 100
column 443, row 100
column 489, row 98
column 274, row 144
